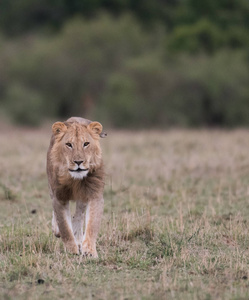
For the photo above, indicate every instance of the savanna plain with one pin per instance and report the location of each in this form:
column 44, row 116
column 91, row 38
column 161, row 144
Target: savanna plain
column 175, row 222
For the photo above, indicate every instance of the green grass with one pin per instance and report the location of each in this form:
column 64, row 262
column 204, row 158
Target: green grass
column 175, row 223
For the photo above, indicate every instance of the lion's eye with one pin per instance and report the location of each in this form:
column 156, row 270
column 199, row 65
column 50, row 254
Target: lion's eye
column 69, row 145
column 86, row 144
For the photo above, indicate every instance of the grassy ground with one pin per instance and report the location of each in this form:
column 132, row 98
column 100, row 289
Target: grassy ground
column 175, row 224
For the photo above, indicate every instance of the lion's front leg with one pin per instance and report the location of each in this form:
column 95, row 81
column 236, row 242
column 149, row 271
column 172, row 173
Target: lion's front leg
column 63, row 218
column 77, row 222
column 94, row 213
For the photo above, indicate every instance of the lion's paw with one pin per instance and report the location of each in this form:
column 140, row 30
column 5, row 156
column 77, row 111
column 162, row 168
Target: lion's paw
column 72, row 248
column 89, row 252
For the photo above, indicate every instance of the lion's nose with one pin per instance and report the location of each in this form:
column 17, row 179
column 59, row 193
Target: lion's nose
column 78, row 162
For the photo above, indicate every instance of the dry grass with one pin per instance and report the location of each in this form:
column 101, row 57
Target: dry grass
column 175, row 224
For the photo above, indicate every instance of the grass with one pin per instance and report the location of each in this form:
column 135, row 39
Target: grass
column 175, row 224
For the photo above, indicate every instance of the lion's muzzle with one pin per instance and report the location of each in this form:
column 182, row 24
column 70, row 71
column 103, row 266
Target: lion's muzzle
column 78, row 171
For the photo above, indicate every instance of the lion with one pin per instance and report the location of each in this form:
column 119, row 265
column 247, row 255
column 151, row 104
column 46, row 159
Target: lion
column 75, row 172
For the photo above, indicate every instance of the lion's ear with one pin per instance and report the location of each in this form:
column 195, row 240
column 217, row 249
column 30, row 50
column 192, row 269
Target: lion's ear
column 95, row 127
column 59, row 127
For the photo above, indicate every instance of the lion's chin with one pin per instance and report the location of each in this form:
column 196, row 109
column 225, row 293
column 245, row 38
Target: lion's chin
column 79, row 175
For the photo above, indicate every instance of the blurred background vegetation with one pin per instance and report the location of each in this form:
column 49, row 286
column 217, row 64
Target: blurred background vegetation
column 126, row 63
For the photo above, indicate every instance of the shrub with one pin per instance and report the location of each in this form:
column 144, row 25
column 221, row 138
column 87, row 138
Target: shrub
column 111, row 70
column 203, row 36
column 23, row 105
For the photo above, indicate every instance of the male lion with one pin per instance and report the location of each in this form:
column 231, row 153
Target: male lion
column 75, row 172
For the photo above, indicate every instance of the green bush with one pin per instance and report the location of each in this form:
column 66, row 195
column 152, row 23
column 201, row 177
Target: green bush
column 190, row 91
column 203, row 36
column 119, row 103
column 222, row 83
column 23, row 105
column 71, row 71
column 112, row 70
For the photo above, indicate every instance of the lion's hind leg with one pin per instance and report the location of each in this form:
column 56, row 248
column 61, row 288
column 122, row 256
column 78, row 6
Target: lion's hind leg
column 55, row 227
column 77, row 222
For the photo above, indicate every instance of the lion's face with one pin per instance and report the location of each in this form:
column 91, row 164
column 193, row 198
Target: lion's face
column 77, row 147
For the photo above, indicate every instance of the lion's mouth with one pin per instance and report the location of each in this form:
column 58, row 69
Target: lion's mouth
column 78, row 170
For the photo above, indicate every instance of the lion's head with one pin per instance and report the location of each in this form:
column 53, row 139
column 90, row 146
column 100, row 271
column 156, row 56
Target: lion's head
column 76, row 149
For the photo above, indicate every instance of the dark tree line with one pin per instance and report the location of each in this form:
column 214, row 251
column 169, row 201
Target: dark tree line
column 212, row 24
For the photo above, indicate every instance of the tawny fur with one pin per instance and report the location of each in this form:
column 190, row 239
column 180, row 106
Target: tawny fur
column 68, row 153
